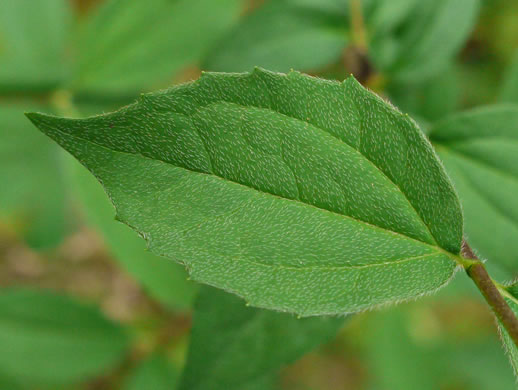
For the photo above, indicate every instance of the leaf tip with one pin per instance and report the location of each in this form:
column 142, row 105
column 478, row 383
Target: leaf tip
column 41, row 121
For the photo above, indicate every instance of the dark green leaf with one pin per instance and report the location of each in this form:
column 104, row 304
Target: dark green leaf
column 120, row 53
column 48, row 338
column 154, row 373
column 162, row 278
column 234, row 347
column 480, row 151
column 33, row 193
column 298, row 194
column 32, row 41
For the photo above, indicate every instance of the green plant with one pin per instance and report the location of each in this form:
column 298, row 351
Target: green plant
column 298, row 194
column 121, row 315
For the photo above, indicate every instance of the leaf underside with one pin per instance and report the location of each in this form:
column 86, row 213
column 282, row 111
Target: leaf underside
column 298, row 194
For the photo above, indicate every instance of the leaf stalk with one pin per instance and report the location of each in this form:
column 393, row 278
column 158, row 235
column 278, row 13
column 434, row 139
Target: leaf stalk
column 478, row 273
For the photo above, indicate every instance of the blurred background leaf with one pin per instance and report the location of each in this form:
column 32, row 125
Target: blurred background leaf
column 50, row 339
column 480, row 151
column 32, row 199
column 33, row 35
column 280, row 36
column 155, row 373
column 127, row 46
column 234, row 346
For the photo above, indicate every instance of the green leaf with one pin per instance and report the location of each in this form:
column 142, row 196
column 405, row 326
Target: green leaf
column 395, row 359
column 411, row 347
column 281, row 36
column 427, row 41
column 298, row 194
column 480, row 151
column 509, row 89
column 162, row 278
column 33, row 193
column 154, row 373
column 430, row 100
column 51, row 339
column 32, row 41
column 234, row 347
column 121, row 54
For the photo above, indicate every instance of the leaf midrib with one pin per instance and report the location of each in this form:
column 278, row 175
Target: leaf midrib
column 437, row 248
column 313, row 126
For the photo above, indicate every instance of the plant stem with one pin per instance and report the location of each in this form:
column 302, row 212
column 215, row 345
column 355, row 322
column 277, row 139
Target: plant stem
column 359, row 32
column 477, row 272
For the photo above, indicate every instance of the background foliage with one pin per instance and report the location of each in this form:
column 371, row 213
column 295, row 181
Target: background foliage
column 83, row 305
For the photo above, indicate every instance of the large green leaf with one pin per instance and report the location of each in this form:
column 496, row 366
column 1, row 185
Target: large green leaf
column 298, row 194
column 154, row 373
column 162, row 278
column 51, row 339
column 32, row 39
column 33, row 193
column 234, row 347
column 281, row 36
column 120, row 53
column 480, row 151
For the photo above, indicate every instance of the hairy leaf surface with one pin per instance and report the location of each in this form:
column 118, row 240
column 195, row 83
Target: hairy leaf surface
column 480, row 151
column 298, row 194
column 511, row 297
column 243, row 348
column 162, row 278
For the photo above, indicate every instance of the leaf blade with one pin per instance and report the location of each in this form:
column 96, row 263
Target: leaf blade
column 271, row 231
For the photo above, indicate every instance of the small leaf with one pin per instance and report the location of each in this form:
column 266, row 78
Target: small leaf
column 281, row 36
column 480, row 151
column 51, row 339
column 32, row 41
column 33, row 191
column 298, row 194
column 243, row 348
column 164, row 279
column 121, row 54
column 154, row 373
column 511, row 297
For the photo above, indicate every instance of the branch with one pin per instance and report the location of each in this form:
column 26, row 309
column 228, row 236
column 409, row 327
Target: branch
column 477, row 272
